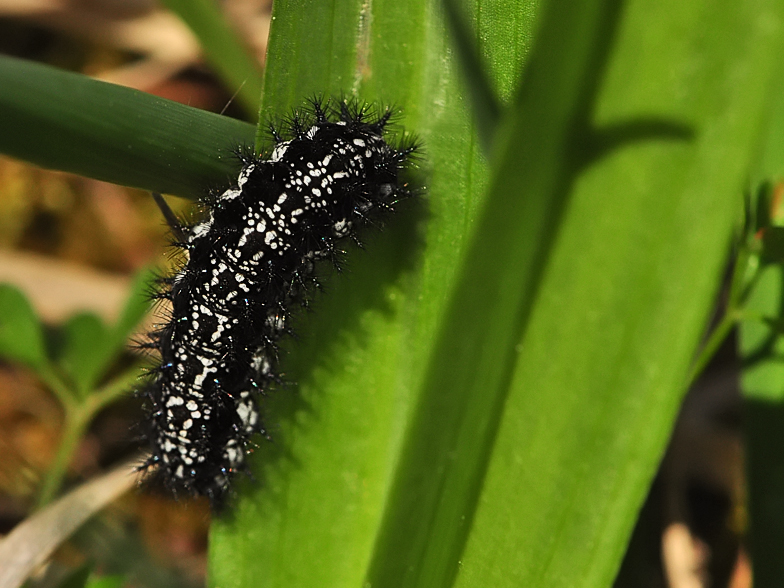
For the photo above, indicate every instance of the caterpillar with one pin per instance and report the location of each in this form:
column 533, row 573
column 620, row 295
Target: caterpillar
column 248, row 263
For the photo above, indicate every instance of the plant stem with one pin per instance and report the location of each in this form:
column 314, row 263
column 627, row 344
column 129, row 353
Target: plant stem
column 739, row 287
column 111, row 391
column 712, row 345
column 77, row 419
column 55, row 383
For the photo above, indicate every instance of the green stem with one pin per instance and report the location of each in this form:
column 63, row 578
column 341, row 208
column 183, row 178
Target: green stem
column 739, row 284
column 739, row 288
column 77, row 419
column 712, row 344
column 57, row 385
column 114, row 389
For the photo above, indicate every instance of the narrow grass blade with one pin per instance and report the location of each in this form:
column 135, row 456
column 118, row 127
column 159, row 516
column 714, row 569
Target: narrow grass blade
column 114, row 133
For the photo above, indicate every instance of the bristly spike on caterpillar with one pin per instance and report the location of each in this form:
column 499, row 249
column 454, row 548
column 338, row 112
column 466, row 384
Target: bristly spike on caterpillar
column 250, row 261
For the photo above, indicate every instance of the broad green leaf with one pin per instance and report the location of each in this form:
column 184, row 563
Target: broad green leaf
column 313, row 516
column 223, row 49
column 70, row 122
column 542, row 151
column 485, row 104
column 567, row 411
column 85, row 350
column 21, row 335
column 602, row 364
column 314, row 49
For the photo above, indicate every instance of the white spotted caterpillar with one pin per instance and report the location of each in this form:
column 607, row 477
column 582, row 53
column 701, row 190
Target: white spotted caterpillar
column 249, row 262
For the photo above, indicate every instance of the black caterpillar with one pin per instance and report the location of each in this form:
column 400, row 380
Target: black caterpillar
column 248, row 264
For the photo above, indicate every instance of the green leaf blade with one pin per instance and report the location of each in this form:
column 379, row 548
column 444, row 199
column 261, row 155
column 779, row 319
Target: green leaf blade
column 452, row 430
column 604, row 361
column 316, row 517
column 21, row 333
column 85, row 351
column 113, row 133
column 313, row 518
column 313, row 51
